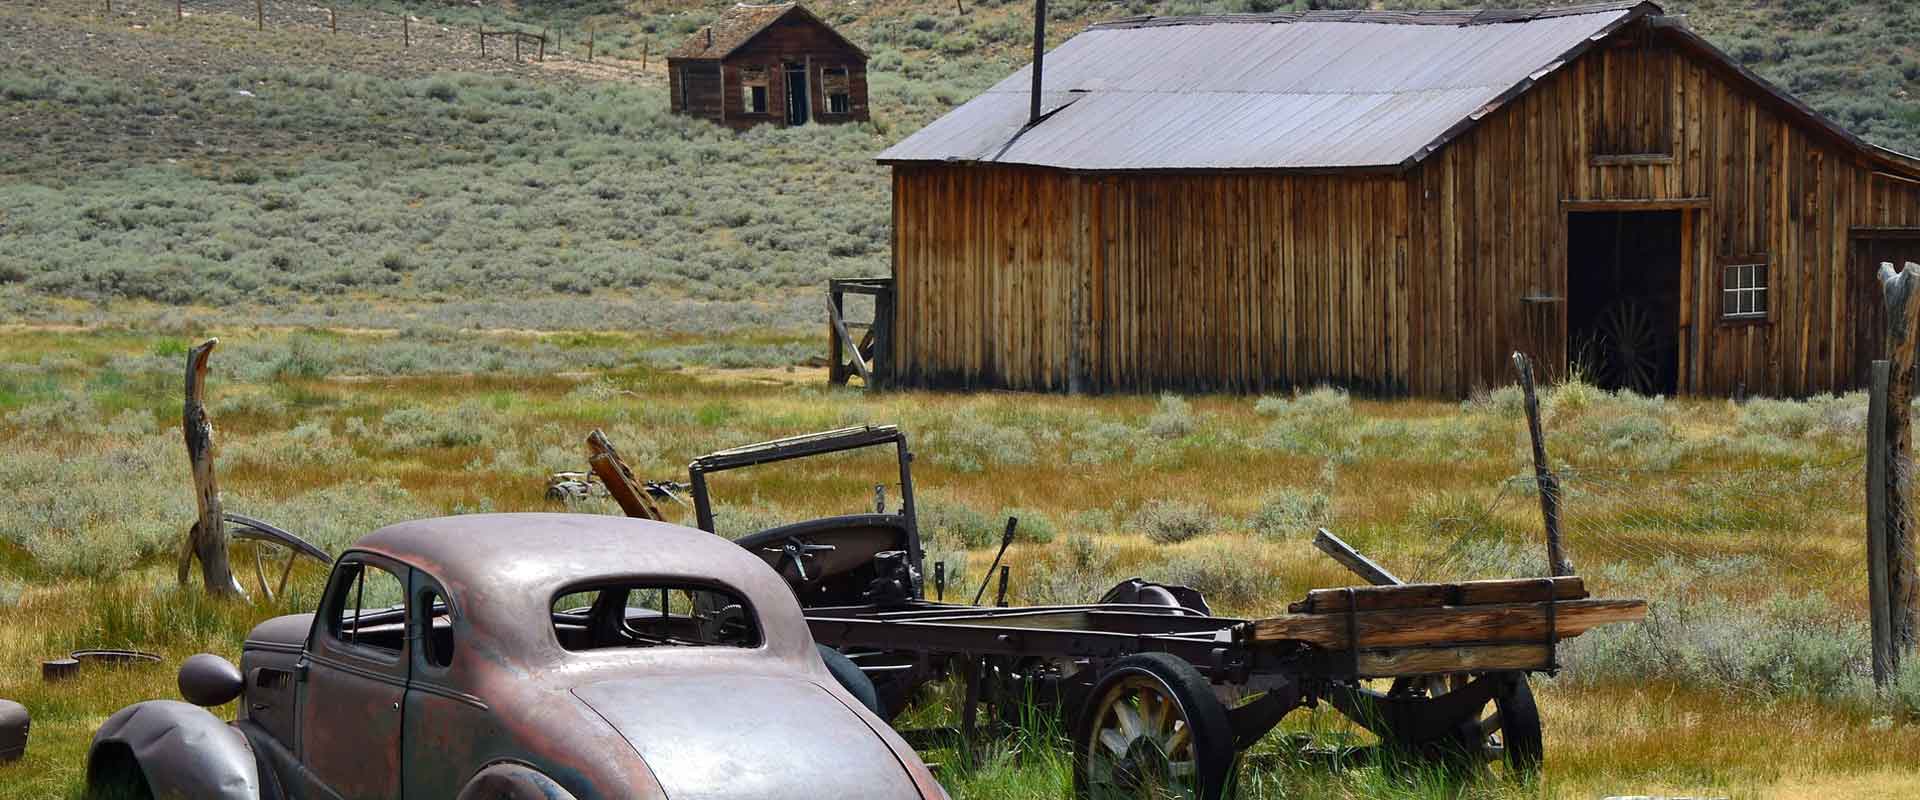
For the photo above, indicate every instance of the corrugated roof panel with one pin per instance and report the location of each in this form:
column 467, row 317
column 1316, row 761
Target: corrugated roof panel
column 1296, row 90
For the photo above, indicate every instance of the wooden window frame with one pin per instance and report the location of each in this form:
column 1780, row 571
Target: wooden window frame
column 845, row 97
column 1764, row 289
column 761, row 104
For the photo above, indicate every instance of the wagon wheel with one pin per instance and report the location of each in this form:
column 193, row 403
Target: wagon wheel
column 262, row 537
column 1470, row 722
column 1630, row 346
column 1153, row 729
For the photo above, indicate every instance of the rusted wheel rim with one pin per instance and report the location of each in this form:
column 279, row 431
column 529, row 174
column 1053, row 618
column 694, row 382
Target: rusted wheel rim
column 1142, row 744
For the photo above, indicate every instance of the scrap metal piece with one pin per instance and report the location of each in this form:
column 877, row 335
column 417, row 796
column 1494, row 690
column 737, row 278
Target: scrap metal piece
column 58, row 669
column 14, row 724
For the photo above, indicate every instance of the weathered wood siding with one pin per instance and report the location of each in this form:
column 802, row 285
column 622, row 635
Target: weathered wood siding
column 1418, row 282
column 1490, row 219
column 792, row 40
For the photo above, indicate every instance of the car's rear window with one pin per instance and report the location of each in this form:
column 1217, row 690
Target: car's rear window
column 653, row 614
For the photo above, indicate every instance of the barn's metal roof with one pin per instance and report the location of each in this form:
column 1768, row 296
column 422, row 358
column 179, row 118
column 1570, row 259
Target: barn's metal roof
column 1297, row 90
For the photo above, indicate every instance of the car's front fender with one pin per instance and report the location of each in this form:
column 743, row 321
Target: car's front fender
column 179, row 750
column 508, row 781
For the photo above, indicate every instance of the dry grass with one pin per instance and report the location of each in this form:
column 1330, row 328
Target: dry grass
column 1738, row 522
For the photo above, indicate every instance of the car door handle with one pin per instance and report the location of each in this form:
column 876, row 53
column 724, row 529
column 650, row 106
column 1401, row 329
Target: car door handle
column 396, row 705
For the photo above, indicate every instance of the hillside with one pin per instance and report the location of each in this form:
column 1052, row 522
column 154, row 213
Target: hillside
column 154, row 168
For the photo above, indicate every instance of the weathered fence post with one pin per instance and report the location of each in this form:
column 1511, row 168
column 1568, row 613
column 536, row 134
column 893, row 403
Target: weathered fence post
column 1877, row 488
column 259, row 15
column 1557, row 563
column 333, row 22
column 589, row 42
column 207, row 539
column 406, row 30
column 178, row 13
column 646, row 52
column 1903, row 595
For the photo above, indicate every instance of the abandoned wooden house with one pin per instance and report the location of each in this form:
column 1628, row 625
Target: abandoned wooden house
column 774, row 64
column 1392, row 202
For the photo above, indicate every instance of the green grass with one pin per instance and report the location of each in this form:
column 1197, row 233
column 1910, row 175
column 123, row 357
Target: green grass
column 1749, row 679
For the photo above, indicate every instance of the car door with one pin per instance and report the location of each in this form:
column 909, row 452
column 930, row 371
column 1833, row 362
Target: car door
column 355, row 671
column 450, row 734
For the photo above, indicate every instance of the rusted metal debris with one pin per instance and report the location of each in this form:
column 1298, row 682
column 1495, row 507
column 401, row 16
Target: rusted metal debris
column 59, row 669
column 14, row 726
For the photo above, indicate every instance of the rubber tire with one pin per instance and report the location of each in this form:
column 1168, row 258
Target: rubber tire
column 850, row 678
column 1215, row 759
column 512, row 782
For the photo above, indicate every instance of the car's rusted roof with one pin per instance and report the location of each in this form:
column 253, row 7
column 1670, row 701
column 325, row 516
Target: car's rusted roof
column 504, row 571
column 1296, row 90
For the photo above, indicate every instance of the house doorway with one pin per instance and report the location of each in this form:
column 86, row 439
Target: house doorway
column 1623, row 298
column 796, row 94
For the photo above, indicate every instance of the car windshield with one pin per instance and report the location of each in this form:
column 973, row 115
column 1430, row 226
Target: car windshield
column 652, row 614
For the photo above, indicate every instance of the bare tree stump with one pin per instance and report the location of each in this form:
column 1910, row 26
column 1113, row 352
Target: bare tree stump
column 207, row 539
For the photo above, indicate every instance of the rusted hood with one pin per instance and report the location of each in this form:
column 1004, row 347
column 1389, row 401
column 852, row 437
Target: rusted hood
column 733, row 737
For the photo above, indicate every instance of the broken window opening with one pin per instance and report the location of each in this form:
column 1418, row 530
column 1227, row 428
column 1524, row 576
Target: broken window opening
column 653, row 614
column 839, row 98
column 753, row 89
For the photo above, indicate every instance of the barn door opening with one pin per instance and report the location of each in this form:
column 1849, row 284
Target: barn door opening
column 1623, row 298
column 796, row 94
column 1871, row 248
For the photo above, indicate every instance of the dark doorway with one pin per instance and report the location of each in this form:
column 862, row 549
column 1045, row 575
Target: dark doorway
column 1870, row 250
column 1623, row 298
column 796, row 94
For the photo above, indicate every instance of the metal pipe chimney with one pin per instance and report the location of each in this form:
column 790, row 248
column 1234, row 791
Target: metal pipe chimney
column 1039, row 53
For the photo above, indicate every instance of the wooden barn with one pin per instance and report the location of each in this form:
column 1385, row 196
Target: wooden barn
column 1392, row 202
column 775, row 64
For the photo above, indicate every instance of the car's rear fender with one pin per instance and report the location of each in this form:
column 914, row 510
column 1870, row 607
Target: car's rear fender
column 177, row 750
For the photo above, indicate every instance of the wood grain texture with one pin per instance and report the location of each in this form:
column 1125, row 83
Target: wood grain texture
column 1422, row 595
column 207, row 539
column 1448, row 625
column 1442, row 660
column 1403, row 282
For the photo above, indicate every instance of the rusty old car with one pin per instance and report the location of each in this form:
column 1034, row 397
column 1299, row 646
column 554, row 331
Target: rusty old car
column 521, row 656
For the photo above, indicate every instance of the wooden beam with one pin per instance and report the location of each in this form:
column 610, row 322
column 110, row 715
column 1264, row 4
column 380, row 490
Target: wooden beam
column 1448, row 625
column 207, row 539
column 1902, row 294
column 614, row 474
column 1426, row 595
column 1671, row 204
column 1549, row 486
column 1878, row 609
column 1441, row 660
column 1352, row 560
column 846, row 342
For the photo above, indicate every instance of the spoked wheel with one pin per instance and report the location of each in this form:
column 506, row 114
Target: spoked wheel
column 1505, row 732
column 274, row 551
column 1631, row 347
column 1466, row 722
column 1152, row 729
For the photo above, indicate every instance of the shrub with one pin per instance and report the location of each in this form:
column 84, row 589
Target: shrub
column 1172, row 418
column 1288, row 512
column 952, row 525
column 1171, row 521
column 1034, row 526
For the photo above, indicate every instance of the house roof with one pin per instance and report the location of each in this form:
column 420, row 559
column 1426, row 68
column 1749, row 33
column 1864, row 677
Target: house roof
column 737, row 26
column 1313, row 90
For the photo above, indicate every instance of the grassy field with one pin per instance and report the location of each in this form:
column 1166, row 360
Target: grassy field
column 1740, row 523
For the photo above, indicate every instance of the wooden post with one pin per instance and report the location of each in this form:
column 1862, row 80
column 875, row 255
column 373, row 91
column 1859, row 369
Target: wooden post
column 406, row 30
column 543, row 46
column 481, row 29
column 109, row 8
column 1903, row 314
column 516, row 47
column 333, row 22
column 836, row 356
column 207, row 539
column 1352, row 559
column 1557, row 563
column 618, row 478
column 178, row 13
column 1878, row 607
column 646, row 52
column 589, row 42
column 259, row 15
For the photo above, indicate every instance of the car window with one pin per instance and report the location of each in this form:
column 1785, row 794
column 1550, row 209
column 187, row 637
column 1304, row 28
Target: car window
column 371, row 609
column 439, row 642
column 653, row 614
